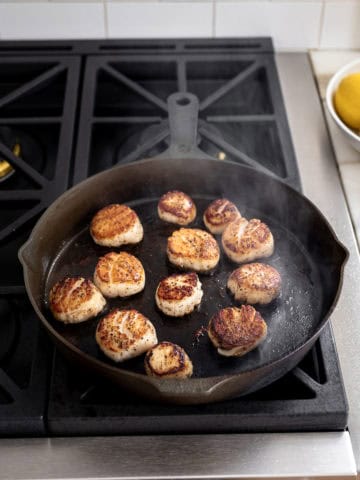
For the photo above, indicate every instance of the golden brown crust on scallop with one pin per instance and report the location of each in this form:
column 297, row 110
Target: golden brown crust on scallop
column 111, row 220
column 237, row 327
column 219, row 214
column 168, row 290
column 168, row 360
column 114, row 221
column 119, row 274
column 119, row 267
column 179, row 294
column 245, row 240
column 121, row 333
column 75, row 299
column 113, row 341
column 255, row 283
column 177, row 207
column 70, row 294
column 193, row 248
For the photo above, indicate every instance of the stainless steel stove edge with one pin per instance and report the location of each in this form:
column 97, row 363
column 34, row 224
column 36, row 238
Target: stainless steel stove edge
column 318, row 455
column 286, row 456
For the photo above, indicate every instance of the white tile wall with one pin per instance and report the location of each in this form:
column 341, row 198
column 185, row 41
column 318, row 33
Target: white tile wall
column 44, row 20
column 341, row 27
column 159, row 20
column 293, row 24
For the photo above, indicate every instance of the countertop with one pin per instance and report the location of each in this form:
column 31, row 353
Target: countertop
column 325, row 64
column 317, row 455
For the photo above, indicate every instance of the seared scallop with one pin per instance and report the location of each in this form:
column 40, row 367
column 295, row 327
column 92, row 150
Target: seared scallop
column 244, row 241
column 235, row 331
column 168, row 360
column 119, row 275
column 75, row 299
column 176, row 207
column 193, row 249
column 179, row 294
column 125, row 334
column 116, row 225
column 255, row 283
column 219, row 214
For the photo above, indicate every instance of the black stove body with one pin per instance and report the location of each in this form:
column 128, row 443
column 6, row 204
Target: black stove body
column 71, row 109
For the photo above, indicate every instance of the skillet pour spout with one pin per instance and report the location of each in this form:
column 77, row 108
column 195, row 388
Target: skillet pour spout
column 307, row 254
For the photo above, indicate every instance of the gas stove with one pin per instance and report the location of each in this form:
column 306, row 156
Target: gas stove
column 71, row 109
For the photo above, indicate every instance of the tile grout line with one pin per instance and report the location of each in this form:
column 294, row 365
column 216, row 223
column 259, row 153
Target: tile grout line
column 106, row 23
column 213, row 18
column 321, row 29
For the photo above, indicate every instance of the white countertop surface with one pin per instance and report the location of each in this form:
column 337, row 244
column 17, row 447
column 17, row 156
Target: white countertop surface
column 325, row 64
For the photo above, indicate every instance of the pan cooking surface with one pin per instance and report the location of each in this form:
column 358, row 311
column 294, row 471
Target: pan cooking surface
column 291, row 319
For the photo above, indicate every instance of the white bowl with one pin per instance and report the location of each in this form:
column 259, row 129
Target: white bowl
column 352, row 137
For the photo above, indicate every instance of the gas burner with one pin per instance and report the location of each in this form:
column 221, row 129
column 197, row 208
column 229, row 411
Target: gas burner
column 125, row 115
column 37, row 116
column 142, row 138
column 126, row 151
column 8, row 138
column 23, row 145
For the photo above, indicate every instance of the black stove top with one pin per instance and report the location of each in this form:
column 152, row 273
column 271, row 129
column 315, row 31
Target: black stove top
column 71, row 109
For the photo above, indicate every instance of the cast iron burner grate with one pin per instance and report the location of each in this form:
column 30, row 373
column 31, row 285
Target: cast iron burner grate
column 37, row 116
column 122, row 116
column 306, row 399
column 241, row 113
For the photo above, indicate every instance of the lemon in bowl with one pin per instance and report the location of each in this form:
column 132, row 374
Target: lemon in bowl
column 347, row 100
column 343, row 101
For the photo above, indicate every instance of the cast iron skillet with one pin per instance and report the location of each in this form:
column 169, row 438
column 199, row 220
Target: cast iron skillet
column 307, row 254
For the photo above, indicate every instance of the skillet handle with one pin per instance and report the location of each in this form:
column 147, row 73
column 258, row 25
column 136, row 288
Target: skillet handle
column 183, row 121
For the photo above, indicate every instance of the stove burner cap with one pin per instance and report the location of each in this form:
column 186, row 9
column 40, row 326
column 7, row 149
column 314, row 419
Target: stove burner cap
column 7, row 137
column 132, row 143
